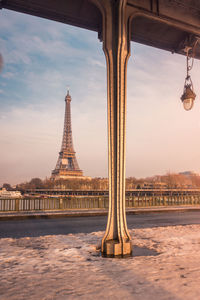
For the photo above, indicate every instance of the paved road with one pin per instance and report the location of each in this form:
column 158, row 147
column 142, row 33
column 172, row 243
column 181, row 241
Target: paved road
column 41, row 227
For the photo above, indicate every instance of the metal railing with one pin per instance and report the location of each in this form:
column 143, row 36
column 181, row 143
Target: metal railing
column 140, row 198
column 32, row 204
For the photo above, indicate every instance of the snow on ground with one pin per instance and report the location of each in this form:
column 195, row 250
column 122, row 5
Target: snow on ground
column 165, row 265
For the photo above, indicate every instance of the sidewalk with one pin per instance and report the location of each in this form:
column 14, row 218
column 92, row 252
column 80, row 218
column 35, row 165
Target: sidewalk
column 91, row 212
column 165, row 265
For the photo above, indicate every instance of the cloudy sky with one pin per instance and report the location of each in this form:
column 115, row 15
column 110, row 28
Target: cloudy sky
column 42, row 58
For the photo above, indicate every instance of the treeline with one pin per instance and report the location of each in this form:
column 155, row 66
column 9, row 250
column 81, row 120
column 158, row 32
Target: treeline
column 70, row 184
column 169, row 180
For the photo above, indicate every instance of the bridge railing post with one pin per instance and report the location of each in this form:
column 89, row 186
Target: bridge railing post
column 17, row 204
column 60, row 203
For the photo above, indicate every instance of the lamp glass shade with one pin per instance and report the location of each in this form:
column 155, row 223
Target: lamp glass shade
column 188, row 103
column 188, row 97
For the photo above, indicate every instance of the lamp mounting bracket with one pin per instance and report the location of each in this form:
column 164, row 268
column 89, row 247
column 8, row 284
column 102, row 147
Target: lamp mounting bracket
column 187, row 45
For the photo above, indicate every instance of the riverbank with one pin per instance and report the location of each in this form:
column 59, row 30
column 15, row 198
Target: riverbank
column 91, row 212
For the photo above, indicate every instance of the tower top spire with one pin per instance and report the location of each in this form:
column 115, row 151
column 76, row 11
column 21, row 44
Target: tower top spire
column 68, row 97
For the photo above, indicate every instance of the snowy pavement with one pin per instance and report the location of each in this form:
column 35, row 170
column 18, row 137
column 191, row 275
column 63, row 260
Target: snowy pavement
column 165, row 265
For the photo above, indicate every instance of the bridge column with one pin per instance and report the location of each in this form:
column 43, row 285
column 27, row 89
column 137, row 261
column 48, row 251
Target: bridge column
column 116, row 46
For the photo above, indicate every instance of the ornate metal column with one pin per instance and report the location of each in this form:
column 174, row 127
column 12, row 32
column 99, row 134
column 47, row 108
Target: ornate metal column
column 116, row 46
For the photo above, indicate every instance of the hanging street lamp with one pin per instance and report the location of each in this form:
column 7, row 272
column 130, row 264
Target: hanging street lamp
column 189, row 95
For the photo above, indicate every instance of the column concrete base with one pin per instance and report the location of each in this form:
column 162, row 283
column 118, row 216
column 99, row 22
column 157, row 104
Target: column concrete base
column 114, row 248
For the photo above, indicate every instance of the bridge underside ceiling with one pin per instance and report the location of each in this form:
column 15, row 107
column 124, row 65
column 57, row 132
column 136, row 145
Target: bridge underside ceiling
column 164, row 24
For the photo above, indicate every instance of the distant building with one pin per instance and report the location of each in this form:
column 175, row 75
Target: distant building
column 154, row 185
column 4, row 194
column 188, row 173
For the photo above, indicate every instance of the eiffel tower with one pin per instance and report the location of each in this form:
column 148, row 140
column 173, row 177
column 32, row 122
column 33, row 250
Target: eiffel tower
column 67, row 165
